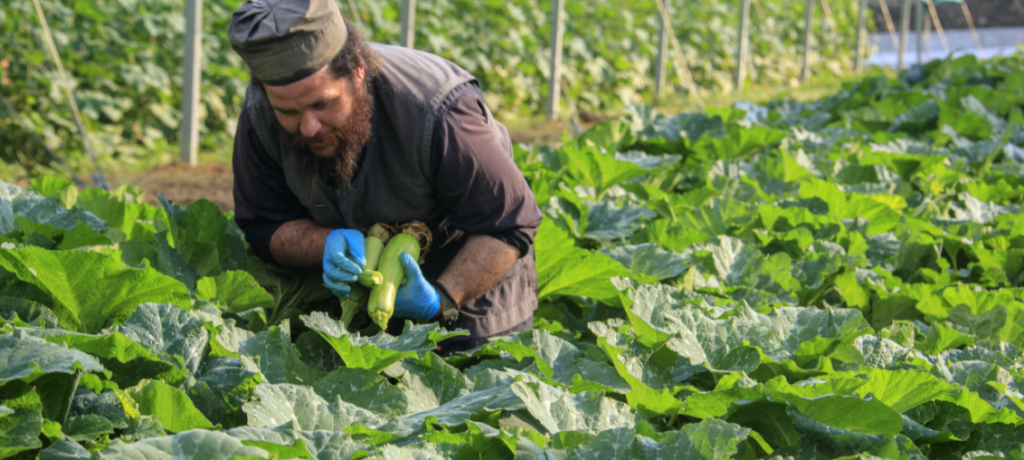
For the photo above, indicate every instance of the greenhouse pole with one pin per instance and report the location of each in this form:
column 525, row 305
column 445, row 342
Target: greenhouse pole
column 741, row 54
column 919, row 28
column 193, row 76
column 928, row 33
column 805, row 72
column 557, row 10
column 408, row 19
column 904, row 33
column 661, row 71
column 858, row 63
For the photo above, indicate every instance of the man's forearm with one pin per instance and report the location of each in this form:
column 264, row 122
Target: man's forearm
column 299, row 244
column 478, row 266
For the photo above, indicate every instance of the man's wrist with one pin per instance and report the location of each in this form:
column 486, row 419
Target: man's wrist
column 448, row 309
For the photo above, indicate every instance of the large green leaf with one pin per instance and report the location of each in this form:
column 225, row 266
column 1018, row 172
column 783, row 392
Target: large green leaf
column 364, row 388
column 379, row 351
column 321, row 445
column 276, row 405
column 165, row 328
column 160, row 255
column 431, row 382
column 21, row 422
column 709, row 439
column 27, row 358
column 565, row 270
column 278, row 359
column 588, row 166
column 128, row 221
column 648, row 261
column 169, row 405
column 126, row 359
column 88, row 290
column 210, row 241
column 558, row 410
column 190, row 445
column 18, row 202
column 234, row 291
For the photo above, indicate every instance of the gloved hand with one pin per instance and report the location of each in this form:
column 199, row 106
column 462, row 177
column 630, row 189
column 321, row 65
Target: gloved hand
column 416, row 299
column 344, row 259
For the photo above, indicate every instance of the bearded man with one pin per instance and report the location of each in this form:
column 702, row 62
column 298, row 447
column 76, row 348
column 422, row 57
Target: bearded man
column 338, row 134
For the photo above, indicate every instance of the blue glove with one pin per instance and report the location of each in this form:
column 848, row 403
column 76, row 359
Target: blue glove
column 416, row 299
column 344, row 259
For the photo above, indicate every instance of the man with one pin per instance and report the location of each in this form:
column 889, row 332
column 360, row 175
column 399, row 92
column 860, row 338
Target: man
column 338, row 134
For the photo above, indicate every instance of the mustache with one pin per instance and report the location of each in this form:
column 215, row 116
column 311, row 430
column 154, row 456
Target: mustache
column 331, row 138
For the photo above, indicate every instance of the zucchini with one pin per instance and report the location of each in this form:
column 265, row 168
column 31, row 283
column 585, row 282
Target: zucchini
column 376, row 238
column 381, row 305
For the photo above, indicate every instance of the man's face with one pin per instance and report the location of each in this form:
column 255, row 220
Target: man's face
column 327, row 121
column 316, row 110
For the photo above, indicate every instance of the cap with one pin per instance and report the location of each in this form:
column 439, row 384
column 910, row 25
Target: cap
column 284, row 41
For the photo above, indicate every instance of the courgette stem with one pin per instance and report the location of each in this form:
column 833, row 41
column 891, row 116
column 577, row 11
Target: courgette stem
column 371, row 278
column 356, row 301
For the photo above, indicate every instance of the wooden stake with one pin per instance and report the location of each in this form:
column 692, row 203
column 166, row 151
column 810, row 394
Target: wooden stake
column 938, row 26
column 831, row 21
column 661, row 71
column 974, row 31
column 858, row 62
column 889, row 25
column 757, row 7
column 681, row 67
column 356, row 14
column 741, row 53
column 97, row 178
column 805, row 72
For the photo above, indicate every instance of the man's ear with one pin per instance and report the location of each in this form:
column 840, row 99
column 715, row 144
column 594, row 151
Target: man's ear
column 360, row 73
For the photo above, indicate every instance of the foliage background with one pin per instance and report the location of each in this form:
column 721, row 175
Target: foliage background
column 125, row 60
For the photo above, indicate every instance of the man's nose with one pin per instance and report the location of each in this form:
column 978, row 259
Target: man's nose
column 310, row 125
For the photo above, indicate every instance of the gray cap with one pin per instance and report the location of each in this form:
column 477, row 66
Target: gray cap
column 284, row 41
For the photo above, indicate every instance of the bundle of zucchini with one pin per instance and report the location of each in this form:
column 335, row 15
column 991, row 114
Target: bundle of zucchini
column 383, row 273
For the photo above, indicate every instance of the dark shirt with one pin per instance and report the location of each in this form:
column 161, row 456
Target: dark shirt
column 480, row 188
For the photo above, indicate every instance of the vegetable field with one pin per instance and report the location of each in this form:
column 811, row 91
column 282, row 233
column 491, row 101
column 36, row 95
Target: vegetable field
column 125, row 59
column 839, row 278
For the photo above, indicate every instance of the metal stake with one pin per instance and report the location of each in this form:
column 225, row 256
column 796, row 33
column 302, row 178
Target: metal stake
column 408, row 20
column 193, row 78
column 557, row 10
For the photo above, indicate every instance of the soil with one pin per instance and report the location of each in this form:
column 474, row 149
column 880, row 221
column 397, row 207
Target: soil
column 986, row 13
column 183, row 184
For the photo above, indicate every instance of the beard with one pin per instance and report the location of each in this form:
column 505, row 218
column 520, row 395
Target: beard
column 337, row 168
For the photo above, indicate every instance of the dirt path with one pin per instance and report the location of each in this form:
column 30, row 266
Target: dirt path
column 183, row 184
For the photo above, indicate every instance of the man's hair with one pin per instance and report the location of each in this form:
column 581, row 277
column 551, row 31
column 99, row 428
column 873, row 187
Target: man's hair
column 354, row 54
